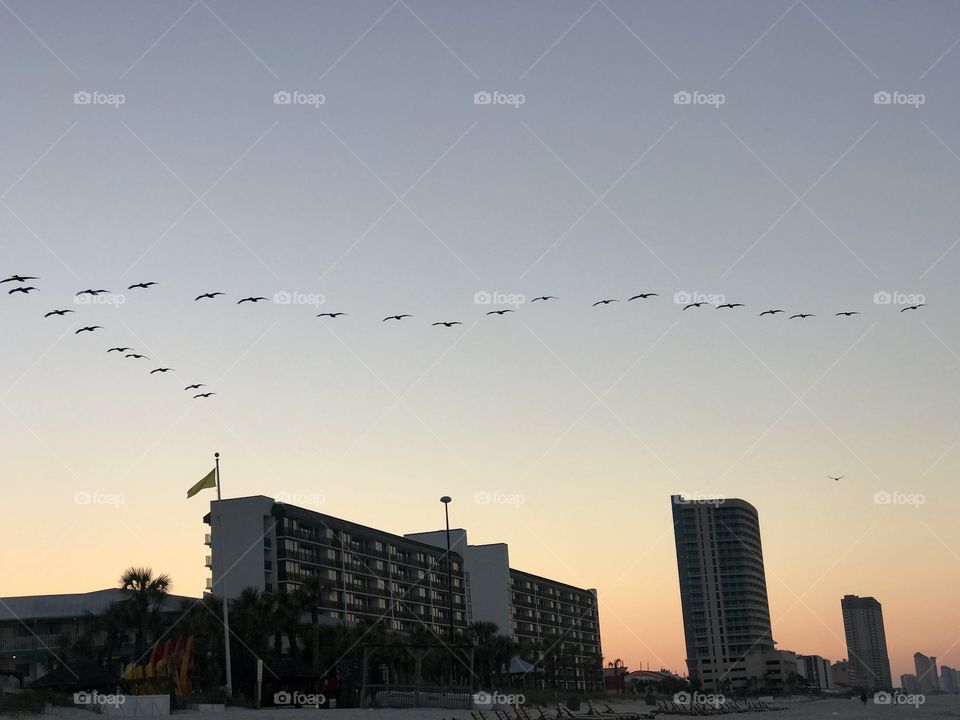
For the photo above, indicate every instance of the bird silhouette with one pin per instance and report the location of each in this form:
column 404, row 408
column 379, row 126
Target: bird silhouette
column 395, row 317
column 642, row 296
column 695, row 304
column 838, row 479
column 18, row 278
column 25, row 290
column 119, row 349
column 92, row 292
column 137, row 357
column 250, row 299
column 847, row 313
column 545, row 297
column 730, row 305
column 802, row 316
column 448, row 324
column 770, row 312
column 207, row 295
column 204, row 395
column 195, row 386
column 143, row 285
column 88, row 328
column 57, row 312
column 163, row 370
column 498, row 312
column 604, row 302
column 913, row 307
column 331, row 315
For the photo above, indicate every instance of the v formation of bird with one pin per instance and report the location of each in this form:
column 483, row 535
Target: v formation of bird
column 20, row 286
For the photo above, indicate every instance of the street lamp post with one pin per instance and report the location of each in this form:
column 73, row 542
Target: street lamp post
column 446, row 499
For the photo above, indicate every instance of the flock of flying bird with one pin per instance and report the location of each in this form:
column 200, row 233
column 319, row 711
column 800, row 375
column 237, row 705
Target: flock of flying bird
column 22, row 287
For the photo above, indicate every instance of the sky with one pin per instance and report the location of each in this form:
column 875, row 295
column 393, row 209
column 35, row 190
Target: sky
column 800, row 155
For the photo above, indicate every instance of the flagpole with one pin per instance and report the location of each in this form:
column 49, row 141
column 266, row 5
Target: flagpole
column 223, row 590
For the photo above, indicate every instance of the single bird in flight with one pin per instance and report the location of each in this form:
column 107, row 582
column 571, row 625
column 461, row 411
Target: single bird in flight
column 604, row 302
column 395, row 317
column 143, row 285
column 498, row 312
column 195, row 386
column 92, row 292
column 847, row 313
column 913, row 307
column 545, row 297
column 250, row 299
column 696, row 305
column 163, row 370
column 207, row 295
column 119, row 349
column 730, row 305
column 204, row 395
column 57, row 312
column 838, row 479
column 642, row 296
column 448, row 324
column 137, row 357
column 25, row 290
column 331, row 315
column 88, row 328
column 770, row 312
column 801, row 316
column 19, row 278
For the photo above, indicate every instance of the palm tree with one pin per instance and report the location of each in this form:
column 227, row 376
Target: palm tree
column 311, row 595
column 146, row 593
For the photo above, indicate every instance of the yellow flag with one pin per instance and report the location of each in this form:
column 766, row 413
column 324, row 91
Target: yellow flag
column 210, row 481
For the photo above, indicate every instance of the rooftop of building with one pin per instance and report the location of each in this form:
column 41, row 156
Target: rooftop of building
column 69, row 605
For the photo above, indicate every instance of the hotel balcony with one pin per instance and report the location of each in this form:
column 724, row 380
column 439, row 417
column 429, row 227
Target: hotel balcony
column 206, row 539
column 208, row 561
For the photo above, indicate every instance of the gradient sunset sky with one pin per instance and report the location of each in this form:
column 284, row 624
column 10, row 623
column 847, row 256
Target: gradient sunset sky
column 561, row 429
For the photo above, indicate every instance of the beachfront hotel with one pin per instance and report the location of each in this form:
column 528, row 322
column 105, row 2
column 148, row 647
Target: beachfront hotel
column 372, row 575
column 723, row 597
column 866, row 643
column 554, row 622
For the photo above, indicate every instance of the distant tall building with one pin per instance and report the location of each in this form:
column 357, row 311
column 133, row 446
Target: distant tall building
column 866, row 642
column 909, row 683
column 949, row 679
column 723, row 595
column 816, row 670
column 926, row 669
